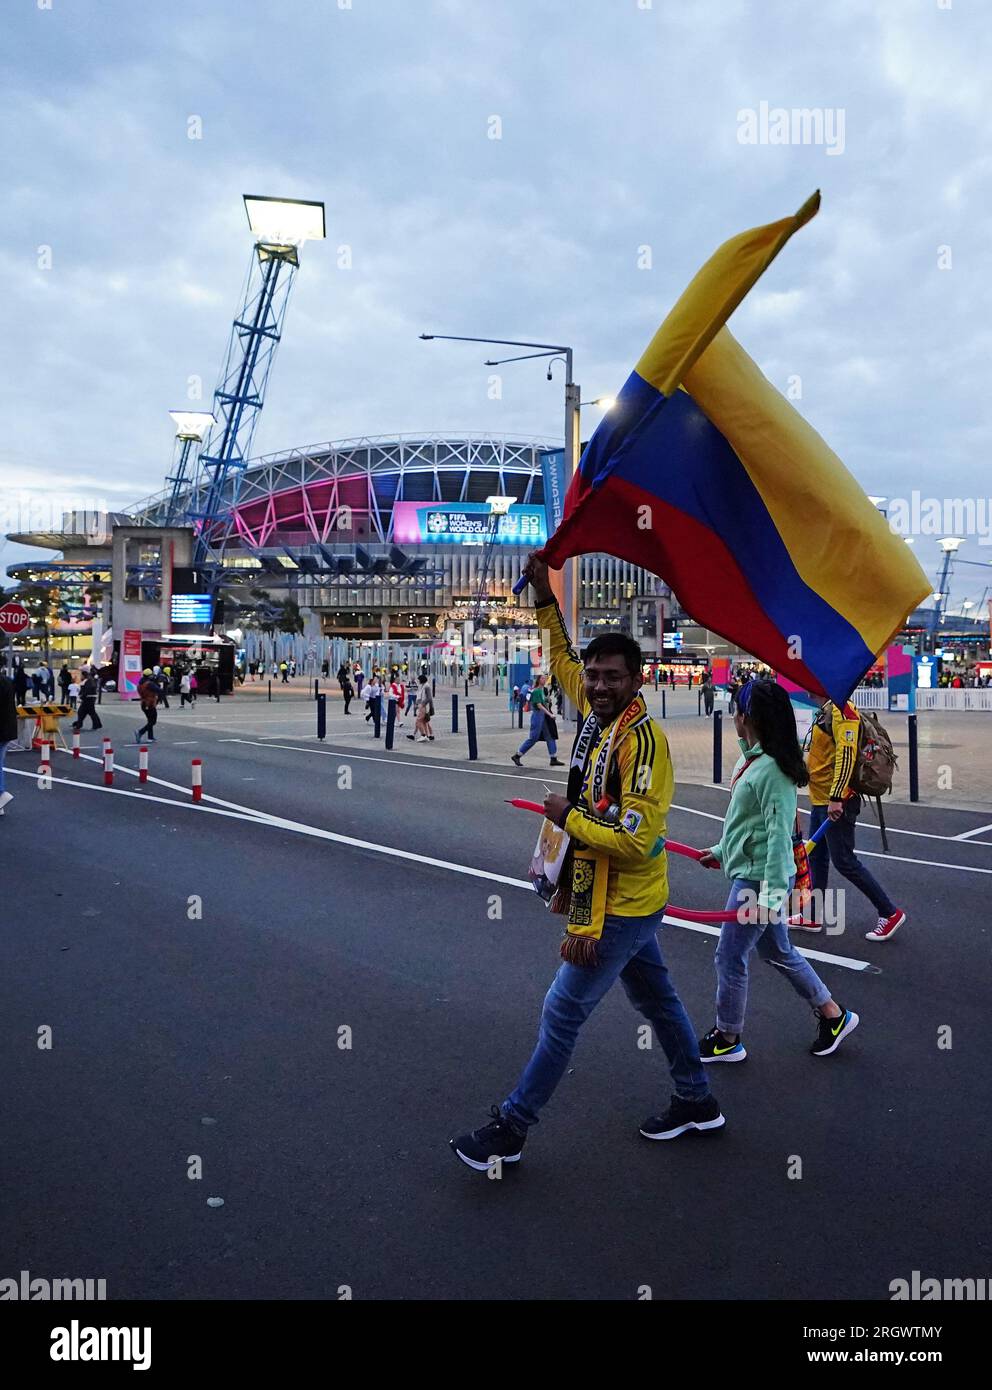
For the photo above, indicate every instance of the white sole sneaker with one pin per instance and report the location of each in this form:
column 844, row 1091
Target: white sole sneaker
column 849, row 1027
column 484, row 1167
column 876, row 935
column 681, row 1129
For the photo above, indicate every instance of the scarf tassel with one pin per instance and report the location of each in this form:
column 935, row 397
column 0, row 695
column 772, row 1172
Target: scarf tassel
column 579, row 950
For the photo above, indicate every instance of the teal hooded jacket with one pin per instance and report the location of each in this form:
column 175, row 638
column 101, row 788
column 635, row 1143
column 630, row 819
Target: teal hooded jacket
column 757, row 831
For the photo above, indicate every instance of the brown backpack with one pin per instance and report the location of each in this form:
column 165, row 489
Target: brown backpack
column 876, row 762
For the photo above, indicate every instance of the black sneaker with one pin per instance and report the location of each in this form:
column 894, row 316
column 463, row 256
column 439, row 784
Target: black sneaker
column 498, row 1139
column 556, row 762
column 516, row 759
column 715, row 1048
column 832, row 1032
column 682, row 1115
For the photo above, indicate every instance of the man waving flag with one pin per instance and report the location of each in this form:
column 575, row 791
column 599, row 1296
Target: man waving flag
column 704, row 474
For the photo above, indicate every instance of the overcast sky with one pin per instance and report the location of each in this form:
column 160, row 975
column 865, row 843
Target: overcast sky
column 619, row 125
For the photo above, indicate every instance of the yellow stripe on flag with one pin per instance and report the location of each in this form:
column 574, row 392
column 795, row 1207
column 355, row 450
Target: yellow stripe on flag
column 712, row 296
column 840, row 544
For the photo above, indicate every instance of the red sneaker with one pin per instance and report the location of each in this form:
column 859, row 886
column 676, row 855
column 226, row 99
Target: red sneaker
column 802, row 923
column 887, row 926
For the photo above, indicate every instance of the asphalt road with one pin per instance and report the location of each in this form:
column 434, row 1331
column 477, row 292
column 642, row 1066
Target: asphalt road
column 176, row 1035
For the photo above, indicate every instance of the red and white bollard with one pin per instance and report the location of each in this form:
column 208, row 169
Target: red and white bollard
column 45, row 766
column 143, row 763
column 197, row 767
column 108, row 767
column 75, row 743
column 106, row 744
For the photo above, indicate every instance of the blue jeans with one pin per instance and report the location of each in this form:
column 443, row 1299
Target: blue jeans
column 736, row 944
column 628, row 948
column 838, row 845
column 536, row 735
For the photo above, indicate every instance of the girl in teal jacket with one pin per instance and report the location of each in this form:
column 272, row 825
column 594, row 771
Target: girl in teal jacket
column 755, row 853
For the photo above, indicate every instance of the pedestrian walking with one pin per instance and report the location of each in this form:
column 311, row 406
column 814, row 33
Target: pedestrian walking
column 755, row 853
column 20, row 682
column 65, row 680
column 831, row 761
column 88, row 692
column 72, row 694
column 148, row 696
column 185, row 690
column 162, row 681
column 707, row 689
column 618, row 888
column 359, row 675
column 8, row 733
column 194, row 686
column 397, row 697
column 373, row 698
column 542, row 726
column 424, row 711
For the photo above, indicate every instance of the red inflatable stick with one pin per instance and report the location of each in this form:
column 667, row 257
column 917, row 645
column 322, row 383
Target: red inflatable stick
column 524, row 805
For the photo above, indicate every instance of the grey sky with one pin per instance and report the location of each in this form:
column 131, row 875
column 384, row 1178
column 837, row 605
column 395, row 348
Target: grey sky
column 619, row 130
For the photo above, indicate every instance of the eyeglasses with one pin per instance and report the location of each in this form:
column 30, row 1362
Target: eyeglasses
column 612, row 682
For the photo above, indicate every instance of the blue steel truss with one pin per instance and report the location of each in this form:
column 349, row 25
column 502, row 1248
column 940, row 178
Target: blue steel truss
column 255, row 335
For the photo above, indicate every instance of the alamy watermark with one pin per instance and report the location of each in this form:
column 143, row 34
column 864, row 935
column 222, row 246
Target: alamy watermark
column 25, row 1289
column 917, row 515
column 795, row 125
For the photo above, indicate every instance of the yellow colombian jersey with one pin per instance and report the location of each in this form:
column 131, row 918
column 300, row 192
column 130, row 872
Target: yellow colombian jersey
column 832, row 752
column 637, row 883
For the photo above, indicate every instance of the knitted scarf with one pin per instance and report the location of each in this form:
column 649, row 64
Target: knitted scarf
column 587, row 872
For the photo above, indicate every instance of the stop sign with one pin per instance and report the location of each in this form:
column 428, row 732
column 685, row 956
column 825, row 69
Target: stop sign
column 14, row 618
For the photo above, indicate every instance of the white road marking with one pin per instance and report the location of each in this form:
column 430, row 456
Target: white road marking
column 968, row 833
column 247, row 814
column 521, row 776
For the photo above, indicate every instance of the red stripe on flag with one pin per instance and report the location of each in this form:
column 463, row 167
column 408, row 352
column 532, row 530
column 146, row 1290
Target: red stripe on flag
column 685, row 553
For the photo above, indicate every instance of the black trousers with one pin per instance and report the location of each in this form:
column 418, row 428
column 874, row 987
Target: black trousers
column 87, row 709
column 151, row 719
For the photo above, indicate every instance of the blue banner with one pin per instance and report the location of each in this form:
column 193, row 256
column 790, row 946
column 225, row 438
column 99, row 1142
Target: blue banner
column 553, row 473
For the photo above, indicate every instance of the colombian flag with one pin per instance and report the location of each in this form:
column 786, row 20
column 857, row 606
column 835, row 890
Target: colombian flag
column 704, row 474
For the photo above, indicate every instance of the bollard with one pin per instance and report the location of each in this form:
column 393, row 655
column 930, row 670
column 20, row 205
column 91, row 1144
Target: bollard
column 473, row 743
column 656, row 680
column 75, row 743
column 45, row 766
column 321, row 717
column 108, row 767
column 914, row 760
column 663, row 710
column 454, row 714
column 377, row 717
column 699, row 702
column 270, row 692
column 434, row 687
column 316, row 688
column 520, row 714
column 717, row 747
column 106, row 742
column 497, row 687
column 390, row 724
column 197, row 770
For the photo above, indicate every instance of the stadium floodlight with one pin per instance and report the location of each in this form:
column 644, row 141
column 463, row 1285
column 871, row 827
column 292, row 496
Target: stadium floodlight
column 500, row 505
column 949, row 544
column 192, row 424
column 284, row 221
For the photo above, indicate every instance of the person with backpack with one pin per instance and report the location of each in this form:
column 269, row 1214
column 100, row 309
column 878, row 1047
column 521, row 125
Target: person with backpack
column 846, row 763
column 148, row 697
column 755, row 853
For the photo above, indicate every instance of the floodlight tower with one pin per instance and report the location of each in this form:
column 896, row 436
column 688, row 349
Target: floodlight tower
column 191, row 429
column 280, row 227
column 950, row 546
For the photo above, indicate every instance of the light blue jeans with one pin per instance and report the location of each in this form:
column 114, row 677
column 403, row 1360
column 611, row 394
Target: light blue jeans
column 536, row 734
column 627, row 950
column 736, row 944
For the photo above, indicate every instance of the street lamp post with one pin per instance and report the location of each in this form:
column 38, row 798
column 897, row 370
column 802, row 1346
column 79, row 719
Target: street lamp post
column 570, row 588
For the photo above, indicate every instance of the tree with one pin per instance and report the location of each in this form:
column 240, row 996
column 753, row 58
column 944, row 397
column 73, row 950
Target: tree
column 42, row 604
